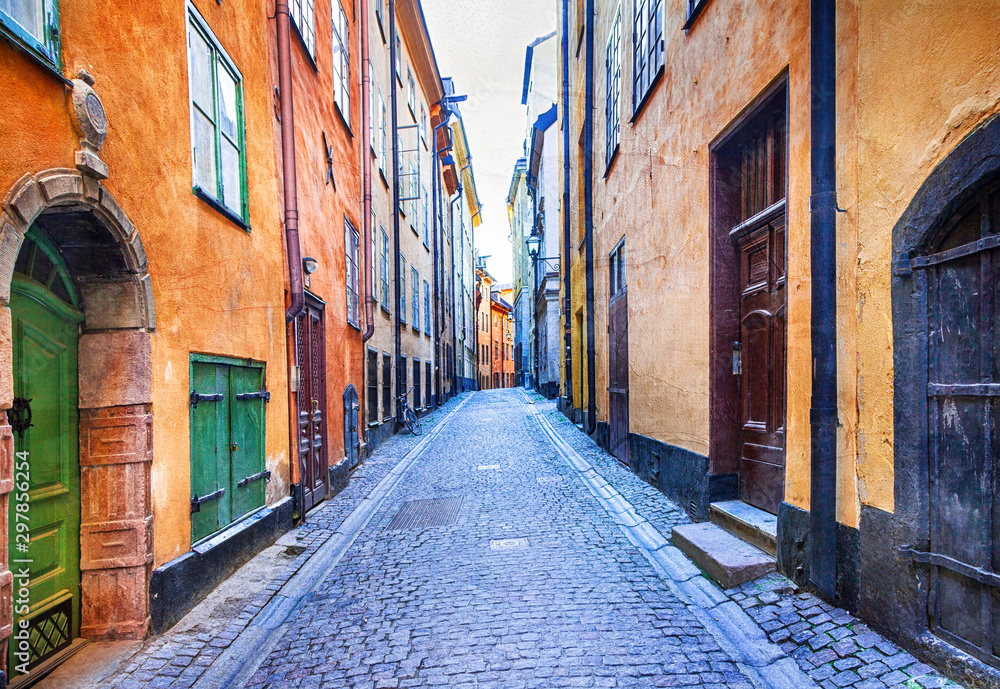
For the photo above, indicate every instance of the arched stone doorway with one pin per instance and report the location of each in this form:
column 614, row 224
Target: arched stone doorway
column 945, row 532
column 64, row 239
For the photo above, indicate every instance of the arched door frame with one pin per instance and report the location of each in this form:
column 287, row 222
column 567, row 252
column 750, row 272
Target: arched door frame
column 115, row 395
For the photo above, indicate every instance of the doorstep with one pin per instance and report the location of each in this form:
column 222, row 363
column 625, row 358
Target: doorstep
column 724, row 558
column 753, row 525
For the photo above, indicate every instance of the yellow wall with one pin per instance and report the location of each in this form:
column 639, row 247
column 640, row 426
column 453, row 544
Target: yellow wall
column 217, row 288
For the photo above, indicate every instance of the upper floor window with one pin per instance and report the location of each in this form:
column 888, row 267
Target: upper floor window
column 399, row 59
column 303, row 13
column 411, row 93
column 415, row 301
column 423, row 124
column 647, row 49
column 379, row 12
column 694, row 8
column 34, row 24
column 402, row 288
column 427, row 308
column 426, row 214
column 613, row 74
column 352, row 274
column 217, row 137
column 341, row 62
column 383, row 146
column 385, row 269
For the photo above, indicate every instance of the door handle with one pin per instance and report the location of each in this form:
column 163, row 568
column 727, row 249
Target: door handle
column 737, row 358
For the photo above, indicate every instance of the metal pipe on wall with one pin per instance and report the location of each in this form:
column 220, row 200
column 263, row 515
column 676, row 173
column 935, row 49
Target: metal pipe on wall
column 295, row 287
column 454, row 299
column 588, row 219
column 436, row 190
column 393, row 96
column 823, row 250
column 366, row 174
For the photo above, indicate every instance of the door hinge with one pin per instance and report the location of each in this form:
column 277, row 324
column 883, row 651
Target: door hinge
column 266, row 475
column 197, row 397
column 196, row 501
column 260, row 394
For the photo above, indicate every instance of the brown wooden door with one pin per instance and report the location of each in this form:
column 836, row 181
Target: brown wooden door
column 310, row 345
column 618, row 376
column 759, row 360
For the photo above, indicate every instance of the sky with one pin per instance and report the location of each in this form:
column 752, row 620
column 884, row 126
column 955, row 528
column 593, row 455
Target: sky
column 481, row 45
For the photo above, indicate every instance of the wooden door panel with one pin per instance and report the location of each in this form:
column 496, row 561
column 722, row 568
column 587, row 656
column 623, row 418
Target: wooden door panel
column 618, row 382
column 247, row 439
column 311, row 405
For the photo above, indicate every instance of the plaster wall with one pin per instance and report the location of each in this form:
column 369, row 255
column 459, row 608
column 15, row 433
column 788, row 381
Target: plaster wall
column 211, row 279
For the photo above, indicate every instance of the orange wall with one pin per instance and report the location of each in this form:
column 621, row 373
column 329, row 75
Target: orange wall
column 217, row 288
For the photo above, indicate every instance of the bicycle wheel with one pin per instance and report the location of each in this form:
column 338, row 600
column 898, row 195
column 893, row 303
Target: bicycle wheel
column 411, row 421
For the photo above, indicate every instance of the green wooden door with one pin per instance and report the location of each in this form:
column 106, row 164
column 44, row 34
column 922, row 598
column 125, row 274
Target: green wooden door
column 45, row 337
column 247, row 442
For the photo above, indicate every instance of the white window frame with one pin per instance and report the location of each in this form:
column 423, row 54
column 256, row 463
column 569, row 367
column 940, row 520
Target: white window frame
column 303, row 14
column 352, row 273
column 613, row 91
column 341, row 45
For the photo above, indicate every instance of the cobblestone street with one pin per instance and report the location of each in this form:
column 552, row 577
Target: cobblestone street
column 535, row 579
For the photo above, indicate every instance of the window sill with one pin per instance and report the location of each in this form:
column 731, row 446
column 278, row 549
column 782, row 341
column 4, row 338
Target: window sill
column 378, row 20
column 695, row 13
column 302, row 43
column 345, row 121
column 645, row 98
column 381, row 175
column 385, row 308
column 356, row 326
column 221, row 208
column 47, row 65
column 611, row 163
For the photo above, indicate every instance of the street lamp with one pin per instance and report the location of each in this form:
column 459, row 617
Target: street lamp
column 533, row 241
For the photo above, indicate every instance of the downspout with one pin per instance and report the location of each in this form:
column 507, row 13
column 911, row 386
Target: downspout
column 288, row 162
column 588, row 219
column 366, row 168
column 567, row 243
column 823, row 249
column 293, row 251
column 438, row 302
column 400, row 380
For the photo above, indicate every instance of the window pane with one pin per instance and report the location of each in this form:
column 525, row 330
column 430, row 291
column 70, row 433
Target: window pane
column 201, row 73
column 28, row 13
column 228, row 117
column 232, row 195
column 204, row 153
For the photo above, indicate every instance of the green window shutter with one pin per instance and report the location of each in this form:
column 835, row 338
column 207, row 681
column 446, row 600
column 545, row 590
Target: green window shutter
column 209, row 448
column 247, row 436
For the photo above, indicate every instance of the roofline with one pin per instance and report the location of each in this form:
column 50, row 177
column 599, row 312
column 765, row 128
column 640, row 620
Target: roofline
column 528, row 56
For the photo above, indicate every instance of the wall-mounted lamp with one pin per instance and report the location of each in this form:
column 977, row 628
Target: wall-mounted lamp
column 309, row 266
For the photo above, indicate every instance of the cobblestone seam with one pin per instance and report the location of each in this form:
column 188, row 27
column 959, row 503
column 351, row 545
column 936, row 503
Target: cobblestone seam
column 731, row 626
column 178, row 660
column 829, row 644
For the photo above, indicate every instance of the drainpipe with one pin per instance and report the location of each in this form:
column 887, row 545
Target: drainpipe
column 588, row 219
column 366, row 167
column 436, row 191
column 293, row 251
column 567, row 243
column 823, row 249
column 288, row 163
column 454, row 298
column 400, row 384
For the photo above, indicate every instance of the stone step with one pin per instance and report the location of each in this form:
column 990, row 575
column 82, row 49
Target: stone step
column 724, row 558
column 753, row 525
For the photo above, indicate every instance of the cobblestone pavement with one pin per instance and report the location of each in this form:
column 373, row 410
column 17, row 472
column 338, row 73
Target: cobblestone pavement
column 534, row 585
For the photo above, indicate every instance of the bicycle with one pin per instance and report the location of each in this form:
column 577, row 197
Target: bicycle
column 410, row 419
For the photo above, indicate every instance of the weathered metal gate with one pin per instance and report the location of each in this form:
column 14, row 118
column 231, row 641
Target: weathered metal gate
column 351, row 440
column 958, row 281
column 310, row 345
column 618, row 376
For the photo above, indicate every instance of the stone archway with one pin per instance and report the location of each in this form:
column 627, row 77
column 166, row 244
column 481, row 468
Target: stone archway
column 105, row 256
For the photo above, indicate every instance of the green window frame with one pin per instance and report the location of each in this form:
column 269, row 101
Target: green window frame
column 218, row 140
column 227, row 400
column 33, row 24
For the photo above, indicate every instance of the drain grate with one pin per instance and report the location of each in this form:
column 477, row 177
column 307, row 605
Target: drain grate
column 487, row 467
column 549, row 479
column 509, row 544
column 424, row 514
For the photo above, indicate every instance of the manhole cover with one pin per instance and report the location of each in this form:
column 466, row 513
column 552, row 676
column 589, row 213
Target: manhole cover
column 486, row 467
column 509, row 544
column 549, row 479
column 423, row 514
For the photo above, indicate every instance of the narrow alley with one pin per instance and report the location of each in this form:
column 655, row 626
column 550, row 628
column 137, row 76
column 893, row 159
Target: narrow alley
column 503, row 548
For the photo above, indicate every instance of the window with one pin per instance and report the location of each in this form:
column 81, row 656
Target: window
column 415, row 300
column 647, row 49
column 352, row 273
column 613, row 73
column 385, row 269
column 216, row 92
column 411, row 93
column 227, row 441
column 694, row 8
column 382, row 127
column 416, row 384
column 402, row 289
column 425, row 215
column 34, row 24
column 373, row 257
column 423, row 125
column 427, row 307
column 372, row 386
column 386, row 386
column 379, row 11
column 616, row 264
column 341, row 60
column 373, row 92
column 399, row 59
column 303, row 13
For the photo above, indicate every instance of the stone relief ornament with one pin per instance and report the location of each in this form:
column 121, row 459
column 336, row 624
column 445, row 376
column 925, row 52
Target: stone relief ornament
column 90, row 121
